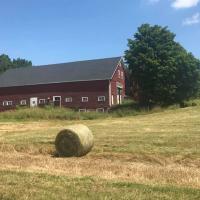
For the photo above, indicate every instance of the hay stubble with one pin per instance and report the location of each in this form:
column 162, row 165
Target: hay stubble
column 161, row 148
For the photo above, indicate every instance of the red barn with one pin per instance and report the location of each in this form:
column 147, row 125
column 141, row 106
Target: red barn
column 84, row 85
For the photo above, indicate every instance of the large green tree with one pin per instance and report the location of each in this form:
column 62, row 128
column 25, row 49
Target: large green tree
column 162, row 71
column 6, row 63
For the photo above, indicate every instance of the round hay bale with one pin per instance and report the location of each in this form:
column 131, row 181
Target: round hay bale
column 76, row 140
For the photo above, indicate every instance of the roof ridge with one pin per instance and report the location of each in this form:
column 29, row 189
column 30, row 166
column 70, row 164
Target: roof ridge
column 79, row 61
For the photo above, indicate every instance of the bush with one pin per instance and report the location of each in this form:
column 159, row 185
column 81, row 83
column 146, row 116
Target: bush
column 190, row 103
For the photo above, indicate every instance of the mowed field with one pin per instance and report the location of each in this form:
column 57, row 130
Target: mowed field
column 151, row 156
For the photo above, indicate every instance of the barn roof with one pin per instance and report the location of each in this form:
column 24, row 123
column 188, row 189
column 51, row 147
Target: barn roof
column 100, row 69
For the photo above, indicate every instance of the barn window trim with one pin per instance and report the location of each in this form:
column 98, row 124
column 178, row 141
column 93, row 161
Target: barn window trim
column 101, row 98
column 68, row 99
column 119, row 73
column 55, row 97
column 7, row 103
column 122, row 75
column 42, row 101
column 23, row 102
column 84, row 99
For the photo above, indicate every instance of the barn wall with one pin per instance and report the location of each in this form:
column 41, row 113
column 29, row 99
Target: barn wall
column 115, row 80
column 76, row 90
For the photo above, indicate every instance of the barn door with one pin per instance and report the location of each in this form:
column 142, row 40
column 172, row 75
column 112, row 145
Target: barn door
column 33, row 102
column 119, row 95
column 57, row 101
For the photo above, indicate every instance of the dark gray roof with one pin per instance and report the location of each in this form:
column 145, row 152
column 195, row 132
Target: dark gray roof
column 100, row 69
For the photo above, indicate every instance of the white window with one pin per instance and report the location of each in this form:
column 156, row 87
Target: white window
column 101, row 98
column 112, row 101
column 42, row 101
column 84, row 99
column 68, row 99
column 57, row 98
column 100, row 109
column 119, row 73
column 23, row 102
column 122, row 75
column 7, row 103
column 82, row 110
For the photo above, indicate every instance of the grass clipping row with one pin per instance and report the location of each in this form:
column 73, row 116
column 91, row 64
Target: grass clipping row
column 75, row 140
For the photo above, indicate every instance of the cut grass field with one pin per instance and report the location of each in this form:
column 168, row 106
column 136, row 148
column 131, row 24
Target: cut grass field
column 151, row 156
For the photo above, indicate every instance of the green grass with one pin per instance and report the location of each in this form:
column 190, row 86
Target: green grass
column 128, row 108
column 48, row 113
column 49, row 187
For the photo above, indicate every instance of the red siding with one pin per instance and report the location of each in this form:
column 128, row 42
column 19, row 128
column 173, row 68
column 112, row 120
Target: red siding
column 116, row 79
column 76, row 90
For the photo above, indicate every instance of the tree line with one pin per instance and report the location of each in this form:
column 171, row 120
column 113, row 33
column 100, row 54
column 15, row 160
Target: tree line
column 7, row 63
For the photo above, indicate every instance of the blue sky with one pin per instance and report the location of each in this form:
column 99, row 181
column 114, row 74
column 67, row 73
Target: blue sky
column 54, row 31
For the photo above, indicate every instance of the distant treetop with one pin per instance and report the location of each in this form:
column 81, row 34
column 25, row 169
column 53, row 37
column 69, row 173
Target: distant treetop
column 6, row 63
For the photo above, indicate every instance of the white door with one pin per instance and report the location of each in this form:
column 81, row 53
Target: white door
column 112, row 100
column 57, row 101
column 118, row 99
column 33, row 102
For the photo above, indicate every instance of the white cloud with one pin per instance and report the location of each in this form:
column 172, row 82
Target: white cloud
column 184, row 3
column 195, row 19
